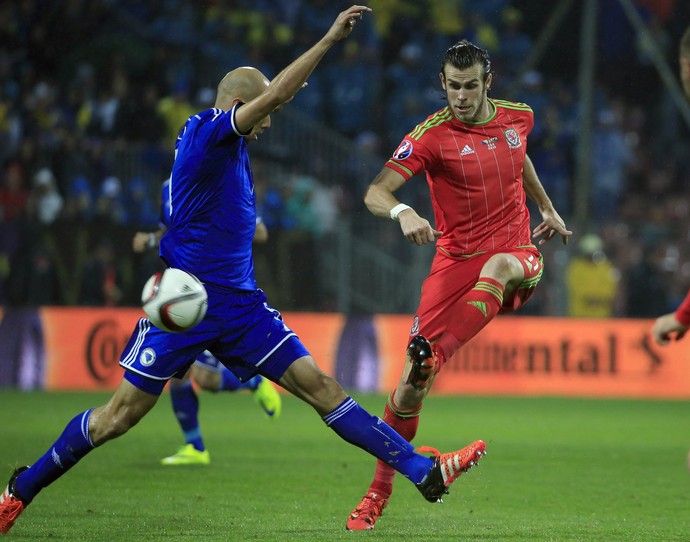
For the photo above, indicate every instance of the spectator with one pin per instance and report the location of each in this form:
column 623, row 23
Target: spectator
column 299, row 206
column 515, row 44
column 45, row 203
column 592, row 281
column 175, row 109
column 141, row 207
column 13, row 202
column 645, row 292
column 110, row 206
column 101, row 283
column 33, row 279
column 80, row 200
column 13, row 194
column 612, row 159
column 355, row 101
column 138, row 119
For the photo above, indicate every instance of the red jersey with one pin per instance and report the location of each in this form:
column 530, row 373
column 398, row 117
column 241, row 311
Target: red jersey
column 474, row 171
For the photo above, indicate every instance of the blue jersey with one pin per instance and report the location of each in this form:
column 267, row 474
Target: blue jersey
column 164, row 218
column 212, row 215
column 208, row 206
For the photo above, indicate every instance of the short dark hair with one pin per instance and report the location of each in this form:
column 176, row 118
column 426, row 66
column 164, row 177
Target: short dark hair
column 465, row 54
column 685, row 44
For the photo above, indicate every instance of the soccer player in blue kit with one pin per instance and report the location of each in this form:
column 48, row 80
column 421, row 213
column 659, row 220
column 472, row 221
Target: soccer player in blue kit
column 212, row 221
column 207, row 371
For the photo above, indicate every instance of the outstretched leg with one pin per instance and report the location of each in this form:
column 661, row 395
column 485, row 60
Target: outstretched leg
column 356, row 426
column 82, row 434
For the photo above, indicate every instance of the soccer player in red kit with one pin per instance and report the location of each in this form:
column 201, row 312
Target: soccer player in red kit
column 474, row 154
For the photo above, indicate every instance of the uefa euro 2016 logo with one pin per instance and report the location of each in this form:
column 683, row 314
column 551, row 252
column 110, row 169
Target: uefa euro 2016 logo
column 403, row 151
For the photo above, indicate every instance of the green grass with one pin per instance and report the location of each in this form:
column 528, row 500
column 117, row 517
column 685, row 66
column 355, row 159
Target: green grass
column 557, row 469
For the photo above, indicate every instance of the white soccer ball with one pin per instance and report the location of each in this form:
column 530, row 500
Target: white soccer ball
column 174, row 300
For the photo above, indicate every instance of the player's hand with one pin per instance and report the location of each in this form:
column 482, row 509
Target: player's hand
column 140, row 242
column 552, row 224
column 417, row 229
column 345, row 22
column 667, row 328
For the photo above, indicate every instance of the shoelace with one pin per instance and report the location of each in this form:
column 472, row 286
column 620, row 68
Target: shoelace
column 372, row 504
column 429, row 450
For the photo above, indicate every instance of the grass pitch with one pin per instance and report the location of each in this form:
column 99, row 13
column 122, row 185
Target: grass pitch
column 557, row 469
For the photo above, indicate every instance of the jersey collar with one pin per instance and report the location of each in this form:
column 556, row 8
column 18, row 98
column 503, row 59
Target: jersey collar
column 492, row 115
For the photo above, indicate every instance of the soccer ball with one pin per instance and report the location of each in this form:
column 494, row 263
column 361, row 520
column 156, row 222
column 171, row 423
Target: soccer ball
column 174, row 300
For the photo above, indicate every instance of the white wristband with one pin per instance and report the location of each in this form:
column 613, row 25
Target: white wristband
column 399, row 208
column 152, row 240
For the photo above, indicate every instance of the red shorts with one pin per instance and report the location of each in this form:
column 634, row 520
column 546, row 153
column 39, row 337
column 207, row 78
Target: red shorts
column 451, row 278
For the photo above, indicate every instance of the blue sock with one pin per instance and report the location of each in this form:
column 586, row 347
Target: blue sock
column 229, row 382
column 185, row 404
column 355, row 425
column 68, row 449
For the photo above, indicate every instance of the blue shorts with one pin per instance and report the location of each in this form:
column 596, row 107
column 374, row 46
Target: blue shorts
column 240, row 328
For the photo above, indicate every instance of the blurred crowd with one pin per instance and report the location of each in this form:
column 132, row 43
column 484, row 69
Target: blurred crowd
column 93, row 93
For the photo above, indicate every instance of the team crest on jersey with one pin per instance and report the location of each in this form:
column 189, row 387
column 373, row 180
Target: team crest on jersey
column 147, row 357
column 490, row 143
column 403, row 151
column 513, row 138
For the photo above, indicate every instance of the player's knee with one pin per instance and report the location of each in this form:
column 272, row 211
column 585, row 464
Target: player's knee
column 320, row 385
column 503, row 268
column 305, row 380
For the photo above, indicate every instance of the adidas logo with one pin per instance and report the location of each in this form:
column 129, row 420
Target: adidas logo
column 466, row 150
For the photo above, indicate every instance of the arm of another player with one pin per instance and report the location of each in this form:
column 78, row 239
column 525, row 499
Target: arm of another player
column 260, row 232
column 293, row 78
column 667, row 328
column 552, row 223
column 143, row 241
column 674, row 325
column 380, row 201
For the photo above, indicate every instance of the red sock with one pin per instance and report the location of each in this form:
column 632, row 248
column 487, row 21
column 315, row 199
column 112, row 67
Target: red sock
column 405, row 422
column 473, row 312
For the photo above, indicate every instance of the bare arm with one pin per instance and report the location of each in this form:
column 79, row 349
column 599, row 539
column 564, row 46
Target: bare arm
column 260, row 233
column 289, row 81
column 380, row 200
column 144, row 240
column 552, row 223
